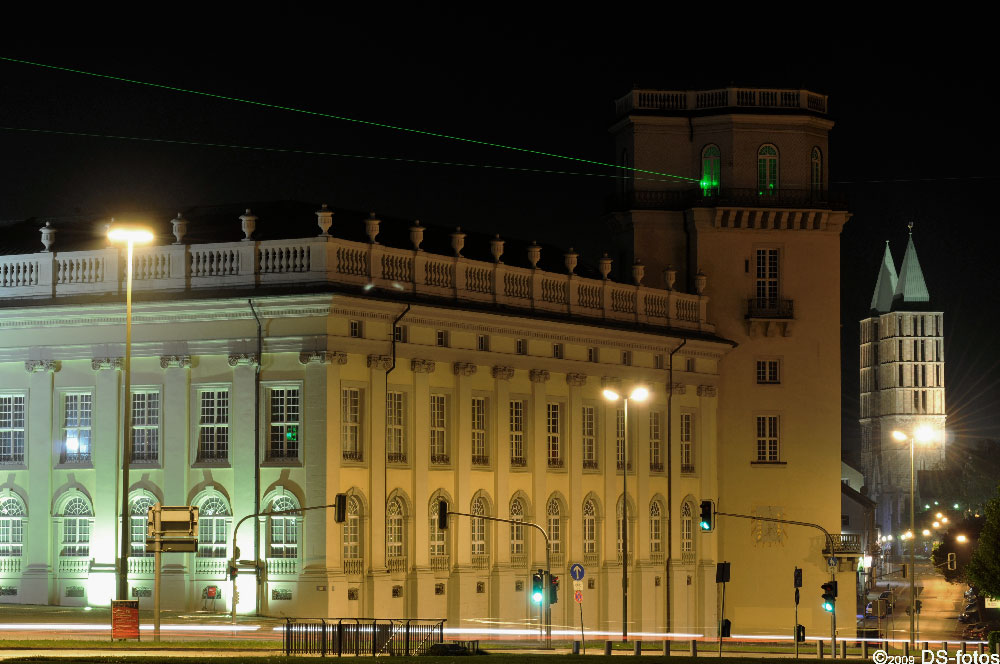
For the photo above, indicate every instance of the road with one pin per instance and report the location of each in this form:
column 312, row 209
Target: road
column 941, row 602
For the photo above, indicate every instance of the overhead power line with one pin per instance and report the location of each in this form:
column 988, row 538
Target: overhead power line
column 320, row 153
column 332, row 116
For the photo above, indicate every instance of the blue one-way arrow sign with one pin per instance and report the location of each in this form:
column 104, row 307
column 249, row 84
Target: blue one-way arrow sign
column 576, row 571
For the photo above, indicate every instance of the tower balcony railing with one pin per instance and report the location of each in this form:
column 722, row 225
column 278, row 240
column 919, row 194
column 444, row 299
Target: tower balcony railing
column 324, row 261
column 692, row 197
column 770, row 307
column 696, row 100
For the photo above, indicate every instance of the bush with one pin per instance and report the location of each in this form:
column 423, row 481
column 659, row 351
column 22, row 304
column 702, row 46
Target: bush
column 994, row 640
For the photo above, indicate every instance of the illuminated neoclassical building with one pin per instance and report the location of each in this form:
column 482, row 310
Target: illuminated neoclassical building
column 402, row 376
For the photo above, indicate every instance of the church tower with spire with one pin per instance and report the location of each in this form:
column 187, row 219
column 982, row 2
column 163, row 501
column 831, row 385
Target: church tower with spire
column 902, row 386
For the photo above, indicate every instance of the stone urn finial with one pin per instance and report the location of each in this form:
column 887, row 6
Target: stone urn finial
column 534, row 254
column 670, row 277
column 458, row 241
column 371, row 227
column 496, row 248
column 249, row 223
column 571, row 258
column 48, row 236
column 416, row 235
column 179, row 224
column 324, row 219
column 604, row 264
column 700, row 281
column 638, row 272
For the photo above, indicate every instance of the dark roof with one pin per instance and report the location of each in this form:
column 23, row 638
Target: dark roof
column 856, row 496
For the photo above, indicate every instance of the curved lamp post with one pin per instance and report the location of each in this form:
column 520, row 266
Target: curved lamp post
column 638, row 394
column 129, row 235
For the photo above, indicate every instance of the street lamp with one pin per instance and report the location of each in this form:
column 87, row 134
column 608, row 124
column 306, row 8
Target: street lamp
column 962, row 539
column 129, row 235
column 922, row 434
column 638, row 394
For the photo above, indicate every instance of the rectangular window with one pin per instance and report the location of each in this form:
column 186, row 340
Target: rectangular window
column 284, row 414
column 76, row 537
column 553, row 433
column 77, row 410
column 212, row 531
column 350, row 424
column 655, row 441
column 478, row 536
column 146, row 427
column 620, row 438
column 517, row 433
column 555, row 533
column 557, row 351
column 766, row 287
column 687, row 443
column 355, row 327
column 395, row 417
column 11, row 429
column 213, row 425
column 590, row 437
column 483, row 342
column 689, row 364
column 442, row 338
column 627, row 358
column 767, row 438
column 655, row 534
column 593, row 354
column 516, row 535
column 658, row 361
column 439, row 441
column 521, row 346
column 284, row 537
column 589, row 533
column 438, row 543
column 480, row 457
column 400, row 334
column 768, row 372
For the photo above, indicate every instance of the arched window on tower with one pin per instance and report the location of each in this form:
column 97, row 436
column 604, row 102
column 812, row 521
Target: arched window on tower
column 816, row 171
column 711, row 178
column 767, row 170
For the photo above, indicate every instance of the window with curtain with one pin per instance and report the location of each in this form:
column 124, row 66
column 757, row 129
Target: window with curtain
column 553, row 433
column 517, row 433
column 479, row 453
column 395, row 417
column 350, row 423
column 439, row 443
column 655, row 440
column 589, row 437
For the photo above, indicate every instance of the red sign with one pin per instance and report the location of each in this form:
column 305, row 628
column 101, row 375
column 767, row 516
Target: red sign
column 124, row 619
column 211, row 592
column 578, row 596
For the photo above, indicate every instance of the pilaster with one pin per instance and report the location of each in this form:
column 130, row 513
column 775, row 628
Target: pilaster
column 377, row 366
column 37, row 574
column 314, row 460
column 421, row 451
column 241, row 449
column 331, row 437
column 539, row 463
column 175, row 448
column 462, row 461
column 105, row 446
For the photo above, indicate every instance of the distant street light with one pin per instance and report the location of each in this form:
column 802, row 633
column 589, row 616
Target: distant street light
column 927, row 533
column 638, row 394
column 130, row 235
column 962, row 539
column 936, row 524
column 944, row 519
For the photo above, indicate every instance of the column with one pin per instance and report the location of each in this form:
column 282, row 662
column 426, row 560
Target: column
column 175, row 458
column 377, row 366
column 539, row 461
column 461, row 448
column 336, row 598
column 419, row 595
column 105, row 443
column 241, row 452
column 37, row 575
column 572, row 539
column 501, row 482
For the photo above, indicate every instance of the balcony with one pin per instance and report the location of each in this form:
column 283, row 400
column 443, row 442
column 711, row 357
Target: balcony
column 354, row 566
column 770, row 307
column 590, row 464
column 210, row 567
column 591, row 559
column 74, row 565
column 555, row 463
column 480, row 460
column 682, row 101
column 10, row 565
column 147, row 456
column 655, row 467
column 395, row 457
column 687, row 469
column 206, row 455
column 332, row 262
column 441, row 563
column 657, row 557
column 282, row 566
column 844, row 544
column 518, row 560
column 619, row 464
column 12, row 459
column 75, row 458
column 282, row 454
column 631, row 558
column 481, row 561
column 518, row 462
column 396, row 564
column 353, row 455
column 684, row 199
column 141, row 566
column 440, row 459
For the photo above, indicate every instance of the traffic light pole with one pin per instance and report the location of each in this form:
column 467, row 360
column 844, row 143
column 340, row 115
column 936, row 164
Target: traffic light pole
column 833, row 556
column 546, row 609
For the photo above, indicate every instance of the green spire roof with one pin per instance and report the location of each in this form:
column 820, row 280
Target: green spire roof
column 911, row 286
column 886, row 284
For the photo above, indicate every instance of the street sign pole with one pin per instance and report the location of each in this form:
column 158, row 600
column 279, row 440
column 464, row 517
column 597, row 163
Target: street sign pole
column 577, row 573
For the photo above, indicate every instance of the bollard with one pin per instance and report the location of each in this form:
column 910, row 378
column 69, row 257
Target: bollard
column 864, row 650
column 906, row 649
column 576, row 647
column 819, row 649
column 666, row 647
column 637, row 648
column 694, row 648
column 843, row 649
column 927, row 645
column 982, row 648
column 607, row 647
column 965, row 647
column 944, row 645
column 885, row 645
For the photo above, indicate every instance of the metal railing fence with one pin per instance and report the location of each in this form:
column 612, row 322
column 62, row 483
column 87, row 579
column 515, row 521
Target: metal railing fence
column 361, row 636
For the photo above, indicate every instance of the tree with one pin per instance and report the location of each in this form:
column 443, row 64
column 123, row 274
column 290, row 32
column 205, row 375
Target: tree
column 970, row 527
column 983, row 570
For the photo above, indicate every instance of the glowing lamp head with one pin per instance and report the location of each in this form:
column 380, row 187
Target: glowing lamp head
column 936, row 524
column 962, row 538
column 956, row 505
column 610, row 395
column 129, row 233
column 926, row 532
column 939, row 515
column 944, row 519
column 900, row 436
column 639, row 394
column 924, row 434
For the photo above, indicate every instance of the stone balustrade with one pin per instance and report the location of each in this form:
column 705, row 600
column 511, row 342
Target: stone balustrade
column 691, row 100
column 330, row 260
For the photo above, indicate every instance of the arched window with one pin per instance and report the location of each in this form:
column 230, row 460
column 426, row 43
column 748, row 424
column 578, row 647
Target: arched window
column 12, row 515
column 214, row 518
column 284, row 529
column 711, row 178
column 589, row 527
column 687, row 529
column 555, row 525
column 655, row 527
column 138, row 511
column 767, row 170
column 816, row 170
column 394, row 529
column 352, row 529
column 516, row 527
column 479, row 528
column 438, row 538
column 77, row 521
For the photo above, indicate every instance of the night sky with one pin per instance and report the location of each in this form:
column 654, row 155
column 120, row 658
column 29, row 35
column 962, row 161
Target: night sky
column 914, row 141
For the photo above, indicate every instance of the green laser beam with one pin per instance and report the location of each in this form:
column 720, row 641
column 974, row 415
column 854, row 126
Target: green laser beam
column 370, row 123
column 259, row 148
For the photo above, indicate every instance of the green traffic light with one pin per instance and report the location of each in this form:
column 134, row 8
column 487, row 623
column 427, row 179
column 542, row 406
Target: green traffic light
column 828, row 607
column 705, row 525
column 537, row 597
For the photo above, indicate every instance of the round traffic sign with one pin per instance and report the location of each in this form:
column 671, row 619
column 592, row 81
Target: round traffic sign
column 578, row 596
column 576, row 571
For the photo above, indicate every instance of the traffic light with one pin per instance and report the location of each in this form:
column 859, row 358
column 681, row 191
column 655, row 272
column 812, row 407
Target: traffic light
column 726, row 628
column 904, row 570
column 442, row 515
column 536, row 587
column 232, row 569
column 340, row 508
column 797, row 577
column 800, row 633
column 553, row 589
column 952, row 562
column 707, row 516
column 918, row 605
column 829, row 596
